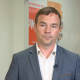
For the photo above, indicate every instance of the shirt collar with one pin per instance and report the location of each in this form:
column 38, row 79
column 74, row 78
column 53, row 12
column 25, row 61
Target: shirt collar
column 54, row 50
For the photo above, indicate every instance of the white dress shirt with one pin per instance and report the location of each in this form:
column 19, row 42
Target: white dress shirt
column 46, row 65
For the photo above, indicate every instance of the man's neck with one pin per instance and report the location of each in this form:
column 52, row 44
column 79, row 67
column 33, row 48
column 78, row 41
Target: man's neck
column 46, row 50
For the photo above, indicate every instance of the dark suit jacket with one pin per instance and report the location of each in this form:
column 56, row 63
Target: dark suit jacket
column 25, row 65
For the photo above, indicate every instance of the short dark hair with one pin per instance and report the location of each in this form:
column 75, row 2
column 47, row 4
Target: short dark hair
column 47, row 11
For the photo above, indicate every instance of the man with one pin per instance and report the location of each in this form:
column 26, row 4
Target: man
column 45, row 60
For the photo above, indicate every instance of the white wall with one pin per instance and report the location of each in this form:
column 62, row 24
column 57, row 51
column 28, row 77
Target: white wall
column 26, row 24
column 6, row 32
column 14, row 28
column 18, row 25
column 11, row 32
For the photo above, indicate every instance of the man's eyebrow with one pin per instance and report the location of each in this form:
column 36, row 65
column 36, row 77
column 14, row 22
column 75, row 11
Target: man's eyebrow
column 42, row 22
column 46, row 23
column 54, row 24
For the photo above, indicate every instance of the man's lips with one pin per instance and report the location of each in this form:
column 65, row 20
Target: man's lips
column 47, row 37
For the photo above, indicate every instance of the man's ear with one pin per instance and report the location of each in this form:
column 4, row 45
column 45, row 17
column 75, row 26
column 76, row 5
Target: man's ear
column 35, row 28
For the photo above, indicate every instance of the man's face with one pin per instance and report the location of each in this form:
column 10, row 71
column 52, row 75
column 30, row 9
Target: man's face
column 47, row 29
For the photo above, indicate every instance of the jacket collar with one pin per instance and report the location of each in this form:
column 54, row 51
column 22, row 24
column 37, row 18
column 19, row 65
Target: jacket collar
column 35, row 63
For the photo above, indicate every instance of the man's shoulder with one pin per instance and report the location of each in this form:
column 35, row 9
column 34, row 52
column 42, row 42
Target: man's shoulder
column 69, row 53
column 25, row 52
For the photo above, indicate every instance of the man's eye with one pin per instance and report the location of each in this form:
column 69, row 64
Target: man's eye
column 53, row 26
column 42, row 25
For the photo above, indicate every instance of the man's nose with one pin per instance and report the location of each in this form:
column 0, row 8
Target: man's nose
column 47, row 29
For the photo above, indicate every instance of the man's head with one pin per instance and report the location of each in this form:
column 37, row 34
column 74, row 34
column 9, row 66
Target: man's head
column 47, row 11
column 47, row 26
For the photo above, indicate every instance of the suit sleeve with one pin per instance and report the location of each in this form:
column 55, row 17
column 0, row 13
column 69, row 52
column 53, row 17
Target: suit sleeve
column 12, row 73
column 78, row 69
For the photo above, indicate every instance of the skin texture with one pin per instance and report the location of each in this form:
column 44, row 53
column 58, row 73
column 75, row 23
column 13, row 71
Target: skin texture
column 47, row 30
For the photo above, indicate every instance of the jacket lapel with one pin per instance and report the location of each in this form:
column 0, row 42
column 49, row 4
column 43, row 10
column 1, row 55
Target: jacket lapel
column 34, row 62
column 59, row 62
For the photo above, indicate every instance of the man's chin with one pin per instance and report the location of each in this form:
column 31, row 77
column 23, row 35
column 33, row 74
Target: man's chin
column 47, row 44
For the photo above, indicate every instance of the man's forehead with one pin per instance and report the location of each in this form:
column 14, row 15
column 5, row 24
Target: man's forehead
column 54, row 21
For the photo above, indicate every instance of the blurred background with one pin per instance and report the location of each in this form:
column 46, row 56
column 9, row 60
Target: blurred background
column 14, row 28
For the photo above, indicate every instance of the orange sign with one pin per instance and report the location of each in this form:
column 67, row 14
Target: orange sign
column 32, row 35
